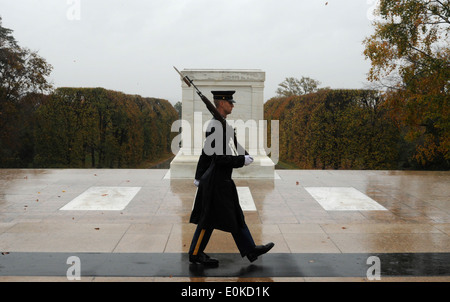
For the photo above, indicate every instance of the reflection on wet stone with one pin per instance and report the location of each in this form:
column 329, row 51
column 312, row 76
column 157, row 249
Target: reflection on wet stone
column 156, row 220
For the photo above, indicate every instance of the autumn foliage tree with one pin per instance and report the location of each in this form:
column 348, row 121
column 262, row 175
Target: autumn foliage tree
column 22, row 78
column 410, row 53
column 292, row 86
column 73, row 127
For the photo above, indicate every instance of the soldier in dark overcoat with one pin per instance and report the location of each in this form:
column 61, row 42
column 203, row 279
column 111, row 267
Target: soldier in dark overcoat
column 217, row 202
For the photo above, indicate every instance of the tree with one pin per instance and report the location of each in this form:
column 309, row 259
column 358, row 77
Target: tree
column 292, row 86
column 21, row 70
column 22, row 81
column 410, row 48
column 179, row 108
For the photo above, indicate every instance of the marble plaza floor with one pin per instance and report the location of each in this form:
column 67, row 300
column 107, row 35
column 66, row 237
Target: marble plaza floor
column 132, row 225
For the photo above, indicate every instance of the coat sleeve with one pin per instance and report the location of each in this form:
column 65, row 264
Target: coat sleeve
column 230, row 161
column 203, row 164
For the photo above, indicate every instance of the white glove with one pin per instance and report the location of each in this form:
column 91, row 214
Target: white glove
column 196, row 182
column 248, row 160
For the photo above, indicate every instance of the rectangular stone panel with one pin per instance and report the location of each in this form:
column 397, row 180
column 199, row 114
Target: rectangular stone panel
column 343, row 199
column 103, row 198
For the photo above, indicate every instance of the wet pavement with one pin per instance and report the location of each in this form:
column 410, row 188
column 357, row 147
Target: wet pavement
column 400, row 217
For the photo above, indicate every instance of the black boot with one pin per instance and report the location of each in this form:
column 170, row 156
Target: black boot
column 204, row 259
column 259, row 250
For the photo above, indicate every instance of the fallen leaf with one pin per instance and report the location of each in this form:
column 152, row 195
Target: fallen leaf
column 97, row 229
column 297, row 183
column 104, row 194
column 343, row 228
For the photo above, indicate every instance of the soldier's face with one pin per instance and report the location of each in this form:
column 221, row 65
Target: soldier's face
column 227, row 107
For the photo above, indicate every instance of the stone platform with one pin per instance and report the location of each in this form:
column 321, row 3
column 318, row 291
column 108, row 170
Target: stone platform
column 139, row 223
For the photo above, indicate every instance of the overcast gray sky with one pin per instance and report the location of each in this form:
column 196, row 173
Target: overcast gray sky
column 131, row 45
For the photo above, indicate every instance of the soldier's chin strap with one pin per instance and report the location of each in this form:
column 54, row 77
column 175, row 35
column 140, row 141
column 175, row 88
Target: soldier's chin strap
column 199, row 241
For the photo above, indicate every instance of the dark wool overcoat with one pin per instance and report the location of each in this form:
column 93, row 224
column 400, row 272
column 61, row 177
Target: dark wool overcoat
column 217, row 203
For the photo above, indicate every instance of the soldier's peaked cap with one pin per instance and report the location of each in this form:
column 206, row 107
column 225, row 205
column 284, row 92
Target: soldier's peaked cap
column 224, row 95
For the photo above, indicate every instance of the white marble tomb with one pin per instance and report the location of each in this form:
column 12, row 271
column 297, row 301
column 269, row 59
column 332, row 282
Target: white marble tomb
column 247, row 117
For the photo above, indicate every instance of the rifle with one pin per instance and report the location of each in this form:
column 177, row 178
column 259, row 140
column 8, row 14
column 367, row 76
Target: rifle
column 211, row 108
column 205, row 100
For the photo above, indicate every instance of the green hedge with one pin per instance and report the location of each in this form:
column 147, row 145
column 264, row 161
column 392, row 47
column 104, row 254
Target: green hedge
column 336, row 129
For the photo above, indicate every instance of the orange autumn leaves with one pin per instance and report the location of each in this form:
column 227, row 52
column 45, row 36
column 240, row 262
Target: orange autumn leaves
column 409, row 54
